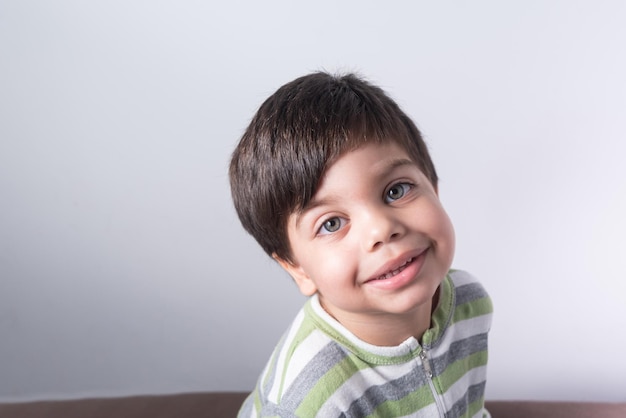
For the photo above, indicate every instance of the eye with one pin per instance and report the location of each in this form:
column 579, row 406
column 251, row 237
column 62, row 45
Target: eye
column 397, row 191
column 331, row 225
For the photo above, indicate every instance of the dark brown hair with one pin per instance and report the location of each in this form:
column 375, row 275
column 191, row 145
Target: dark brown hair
column 296, row 134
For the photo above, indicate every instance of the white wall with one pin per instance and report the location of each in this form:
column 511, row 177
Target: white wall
column 123, row 268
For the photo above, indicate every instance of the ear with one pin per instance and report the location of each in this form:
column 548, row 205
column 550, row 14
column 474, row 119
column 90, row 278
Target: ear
column 303, row 281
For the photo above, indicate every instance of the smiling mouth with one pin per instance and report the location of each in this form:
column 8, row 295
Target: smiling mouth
column 396, row 271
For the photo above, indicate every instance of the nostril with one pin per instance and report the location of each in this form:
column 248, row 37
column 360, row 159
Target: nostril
column 377, row 244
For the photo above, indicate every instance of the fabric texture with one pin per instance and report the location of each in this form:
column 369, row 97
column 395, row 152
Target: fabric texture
column 321, row 369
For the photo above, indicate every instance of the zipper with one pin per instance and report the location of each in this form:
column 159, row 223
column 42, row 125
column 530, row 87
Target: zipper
column 429, row 377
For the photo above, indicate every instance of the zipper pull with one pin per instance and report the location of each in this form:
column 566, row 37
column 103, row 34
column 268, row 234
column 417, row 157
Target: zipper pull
column 426, row 364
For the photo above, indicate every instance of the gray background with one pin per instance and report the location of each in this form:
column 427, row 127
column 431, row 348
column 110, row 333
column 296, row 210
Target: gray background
column 123, row 268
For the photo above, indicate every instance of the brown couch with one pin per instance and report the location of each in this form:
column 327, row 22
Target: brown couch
column 226, row 404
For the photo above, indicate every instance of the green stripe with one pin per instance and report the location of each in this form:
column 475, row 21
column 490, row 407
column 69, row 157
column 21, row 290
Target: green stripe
column 441, row 315
column 474, row 407
column 271, row 370
column 365, row 355
column 257, row 401
column 328, row 384
column 472, row 309
column 305, row 329
column 458, row 369
column 406, row 405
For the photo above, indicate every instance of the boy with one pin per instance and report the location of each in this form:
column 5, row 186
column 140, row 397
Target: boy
column 336, row 184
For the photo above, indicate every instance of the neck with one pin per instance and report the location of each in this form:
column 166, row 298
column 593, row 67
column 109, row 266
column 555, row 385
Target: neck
column 389, row 330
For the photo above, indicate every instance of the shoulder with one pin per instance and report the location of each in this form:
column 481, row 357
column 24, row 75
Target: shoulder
column 466, row 286
column 462, row 277
column 471, row 300
column 298, row 369
column 317, row 369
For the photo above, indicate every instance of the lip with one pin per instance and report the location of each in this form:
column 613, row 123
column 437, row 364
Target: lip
column 399, row 271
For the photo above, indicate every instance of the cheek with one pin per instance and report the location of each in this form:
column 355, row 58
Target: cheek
column 439, row 226
column 445, row 224
column 330, row 266
column 446, row 236
column 451, row 237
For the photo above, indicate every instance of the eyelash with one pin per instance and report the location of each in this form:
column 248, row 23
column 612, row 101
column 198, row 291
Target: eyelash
column 406, row 187
column 323, row 230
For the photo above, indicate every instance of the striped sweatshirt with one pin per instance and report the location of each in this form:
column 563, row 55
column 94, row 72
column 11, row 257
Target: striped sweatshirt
column 320, row 369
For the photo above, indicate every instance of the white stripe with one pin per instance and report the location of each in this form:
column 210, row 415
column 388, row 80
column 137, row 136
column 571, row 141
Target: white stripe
column 483, row 413
column 402, row 349
column 460, row 278
column 458, row 389
column 305, row 352
column 354, row 388
column 282, row 360
column 462, row 330
column 254, row 413
column 426, row 412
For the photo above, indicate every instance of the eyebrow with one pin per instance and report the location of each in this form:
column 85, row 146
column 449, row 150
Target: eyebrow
column 397, row 162
column 388, row 168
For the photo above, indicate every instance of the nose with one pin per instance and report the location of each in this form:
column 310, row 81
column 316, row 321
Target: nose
column 381, row 226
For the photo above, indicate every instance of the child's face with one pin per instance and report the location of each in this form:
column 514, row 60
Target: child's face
column 374, row 240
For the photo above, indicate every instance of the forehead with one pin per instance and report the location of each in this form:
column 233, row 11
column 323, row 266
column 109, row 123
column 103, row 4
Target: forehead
column 372, row 159
column 358, row 169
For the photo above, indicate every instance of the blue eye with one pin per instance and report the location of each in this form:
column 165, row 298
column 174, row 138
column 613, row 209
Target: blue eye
column 331, row 225
column 397, row 191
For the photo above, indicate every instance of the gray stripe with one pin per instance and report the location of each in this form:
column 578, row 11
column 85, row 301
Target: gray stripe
column 469, row 292
column 390, row 391
column 273, row 410
column 271, row 372
column 459, row 350
column 246, row 408
column 473, row 393
column 318, row 366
